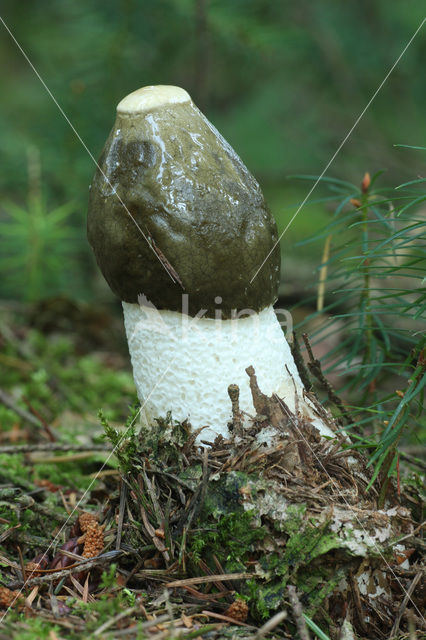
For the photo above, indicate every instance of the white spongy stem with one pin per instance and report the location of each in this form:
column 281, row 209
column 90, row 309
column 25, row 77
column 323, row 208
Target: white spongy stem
column 151, row 97
column 186, row 364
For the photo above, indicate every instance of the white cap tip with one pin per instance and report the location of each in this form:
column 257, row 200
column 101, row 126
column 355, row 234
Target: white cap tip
column 151, row 97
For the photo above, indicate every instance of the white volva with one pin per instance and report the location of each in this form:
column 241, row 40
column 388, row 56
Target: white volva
column 186, row 364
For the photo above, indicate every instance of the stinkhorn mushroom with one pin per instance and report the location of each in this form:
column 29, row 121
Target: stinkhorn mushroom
column 179, row 227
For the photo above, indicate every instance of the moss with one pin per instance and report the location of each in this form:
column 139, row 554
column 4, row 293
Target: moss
column 232, row 538
column 56, row 376
column 192, row 475
column 294, row 566
column 33, row 628
column 316, row 584
column 236, row 533
column 124, row 442
column 224, row 496
column 264, row 599
column 313, row 540
column 13, row 468
column 294, row 518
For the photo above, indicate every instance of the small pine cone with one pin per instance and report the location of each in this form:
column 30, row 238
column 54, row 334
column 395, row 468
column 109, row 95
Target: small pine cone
column 8, row 598
column 85, row 519
column 93, row 540
column 238, row 610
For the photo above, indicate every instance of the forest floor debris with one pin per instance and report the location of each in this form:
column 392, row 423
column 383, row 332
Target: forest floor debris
column 268, row 533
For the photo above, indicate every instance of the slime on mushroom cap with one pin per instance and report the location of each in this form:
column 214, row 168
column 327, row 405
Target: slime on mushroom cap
column 175, row 217
column 191, row 195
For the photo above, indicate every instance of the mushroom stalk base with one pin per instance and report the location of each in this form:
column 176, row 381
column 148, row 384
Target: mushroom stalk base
column 185, row 365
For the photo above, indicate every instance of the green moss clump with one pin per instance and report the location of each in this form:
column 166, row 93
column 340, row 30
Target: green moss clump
column 231, row 539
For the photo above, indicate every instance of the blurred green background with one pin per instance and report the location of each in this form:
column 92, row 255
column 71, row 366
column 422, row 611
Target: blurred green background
column 283, row 82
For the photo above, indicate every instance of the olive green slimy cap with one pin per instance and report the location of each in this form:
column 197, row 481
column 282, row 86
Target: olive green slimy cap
column 167, row 174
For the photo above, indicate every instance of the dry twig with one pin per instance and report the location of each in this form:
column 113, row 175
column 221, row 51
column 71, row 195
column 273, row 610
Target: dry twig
column 405, row 602
column 298, row 613
column 315, row 368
